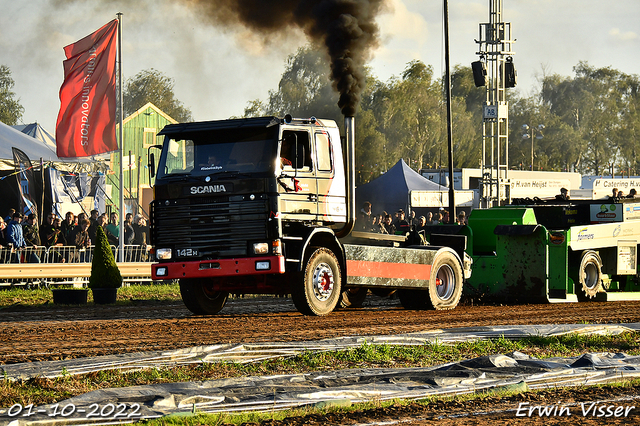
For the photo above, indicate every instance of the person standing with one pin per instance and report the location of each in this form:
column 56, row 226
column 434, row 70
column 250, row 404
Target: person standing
column 50, row 235
column 402, row 225
column 113, row 229
column 79, row 238
column 422, row 223
column 129, row 233
column 68, row 224
column 3, row 232
column 364, row 221
column 414, row 222
column 389, row 227
column 30, row 231
column 15, row 236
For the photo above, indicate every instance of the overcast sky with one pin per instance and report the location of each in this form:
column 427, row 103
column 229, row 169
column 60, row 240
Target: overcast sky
column 217, row 71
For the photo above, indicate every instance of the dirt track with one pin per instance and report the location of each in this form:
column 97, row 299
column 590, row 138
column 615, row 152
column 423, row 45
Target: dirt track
column 52, row 332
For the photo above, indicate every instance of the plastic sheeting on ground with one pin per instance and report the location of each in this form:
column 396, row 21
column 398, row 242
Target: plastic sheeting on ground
column 280, row 392
column 253, row 352
column 339, row 387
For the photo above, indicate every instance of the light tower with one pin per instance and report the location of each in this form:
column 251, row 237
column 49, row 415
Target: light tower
column 496, row 71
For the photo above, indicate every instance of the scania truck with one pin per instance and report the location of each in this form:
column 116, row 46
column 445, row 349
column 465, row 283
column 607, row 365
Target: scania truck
column 266, row 206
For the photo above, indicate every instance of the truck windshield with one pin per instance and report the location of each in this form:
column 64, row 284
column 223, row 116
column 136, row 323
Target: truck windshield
column 211, row 152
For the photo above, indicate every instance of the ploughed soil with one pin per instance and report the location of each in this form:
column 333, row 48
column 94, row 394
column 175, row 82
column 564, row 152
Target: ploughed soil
column 38, row 333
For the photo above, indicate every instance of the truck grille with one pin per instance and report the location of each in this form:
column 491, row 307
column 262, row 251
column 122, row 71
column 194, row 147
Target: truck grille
column 215, row 227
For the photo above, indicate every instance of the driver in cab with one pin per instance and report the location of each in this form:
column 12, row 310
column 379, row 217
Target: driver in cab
column 212, row 164
column 286, row 151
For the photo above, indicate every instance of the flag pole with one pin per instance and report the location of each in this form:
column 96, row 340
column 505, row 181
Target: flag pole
column 120, row 151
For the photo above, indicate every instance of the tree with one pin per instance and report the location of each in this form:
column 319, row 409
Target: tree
column 592, row 104
column 10, row 109
column 153, row 86
column 304, row 89
column 413, row 119
column 104, row 270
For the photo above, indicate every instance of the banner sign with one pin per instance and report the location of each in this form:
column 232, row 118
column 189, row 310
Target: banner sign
column 26, row 182
column 86, row 121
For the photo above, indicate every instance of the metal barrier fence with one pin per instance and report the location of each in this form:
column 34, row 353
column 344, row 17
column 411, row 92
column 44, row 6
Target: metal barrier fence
column 67, row 265
column 69, row 254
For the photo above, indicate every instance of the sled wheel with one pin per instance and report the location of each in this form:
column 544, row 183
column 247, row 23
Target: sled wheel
column 319, row 291
column 200, row 297
column 353, row 297
column 589, row 276
column 445, row 286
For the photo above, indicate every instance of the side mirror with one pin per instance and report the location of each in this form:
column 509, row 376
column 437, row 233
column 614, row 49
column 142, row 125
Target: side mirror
column 152, row 163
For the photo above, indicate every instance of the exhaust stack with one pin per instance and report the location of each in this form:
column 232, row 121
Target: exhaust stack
column 350, row 164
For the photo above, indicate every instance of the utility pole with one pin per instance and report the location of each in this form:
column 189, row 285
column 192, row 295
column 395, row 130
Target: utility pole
column 496, row 69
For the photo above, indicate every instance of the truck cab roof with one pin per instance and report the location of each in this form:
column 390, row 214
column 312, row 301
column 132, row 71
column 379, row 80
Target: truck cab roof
column 238, row 123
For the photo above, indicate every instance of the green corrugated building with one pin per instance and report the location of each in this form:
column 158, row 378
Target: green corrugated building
column 140, row 131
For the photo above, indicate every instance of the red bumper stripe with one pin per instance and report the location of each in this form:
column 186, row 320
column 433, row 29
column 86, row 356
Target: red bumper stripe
column 218, row 268
column 408, row 271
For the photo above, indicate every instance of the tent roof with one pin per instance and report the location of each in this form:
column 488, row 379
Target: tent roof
column 390, row 191
column 38, row 132
column 35, row 149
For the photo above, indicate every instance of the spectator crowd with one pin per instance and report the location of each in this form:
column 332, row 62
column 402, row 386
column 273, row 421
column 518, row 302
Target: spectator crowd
column 399, row 223
column 19, row 232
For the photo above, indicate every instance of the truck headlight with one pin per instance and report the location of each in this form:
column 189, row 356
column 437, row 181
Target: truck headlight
column 162, row 271
column 163, row 253
column 260, row 248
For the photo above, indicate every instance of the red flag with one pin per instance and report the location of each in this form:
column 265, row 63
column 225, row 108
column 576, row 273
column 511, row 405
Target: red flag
column 86, row 122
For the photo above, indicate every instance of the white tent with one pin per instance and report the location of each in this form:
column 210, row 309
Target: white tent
column 38, row 132
column 33, row 148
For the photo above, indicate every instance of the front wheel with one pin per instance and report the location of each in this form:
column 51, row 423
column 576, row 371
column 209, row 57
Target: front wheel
column 319, row 291
column 200, row 297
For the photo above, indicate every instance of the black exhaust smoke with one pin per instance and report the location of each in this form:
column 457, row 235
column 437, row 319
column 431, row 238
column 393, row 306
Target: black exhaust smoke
column 346, row 29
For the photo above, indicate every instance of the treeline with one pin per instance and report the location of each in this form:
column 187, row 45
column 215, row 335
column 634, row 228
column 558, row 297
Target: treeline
column 590, row 120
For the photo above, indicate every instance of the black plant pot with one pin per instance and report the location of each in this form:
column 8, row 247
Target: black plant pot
column 104, row 296
column 70, row 296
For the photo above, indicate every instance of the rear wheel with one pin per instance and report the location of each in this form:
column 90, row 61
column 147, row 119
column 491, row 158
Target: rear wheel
column 589, row 276
column 445, row 286
column 200, row 297
column 319, row 291
column 353, row 297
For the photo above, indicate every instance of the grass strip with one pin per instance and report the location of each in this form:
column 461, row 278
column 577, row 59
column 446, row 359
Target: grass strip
column 13, row 296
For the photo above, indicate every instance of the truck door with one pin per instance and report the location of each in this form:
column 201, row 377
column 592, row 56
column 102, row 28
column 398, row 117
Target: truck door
column 324, row 174
column 297, row 182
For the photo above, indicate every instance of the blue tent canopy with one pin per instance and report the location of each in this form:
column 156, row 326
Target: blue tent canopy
column 390, row 191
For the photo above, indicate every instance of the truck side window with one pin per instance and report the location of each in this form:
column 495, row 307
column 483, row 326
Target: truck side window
column 323, row 151
column 296, row 150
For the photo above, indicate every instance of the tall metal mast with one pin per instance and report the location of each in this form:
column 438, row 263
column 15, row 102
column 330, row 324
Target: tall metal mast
column 495, row 54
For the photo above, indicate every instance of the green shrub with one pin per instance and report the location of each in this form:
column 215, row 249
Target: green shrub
column 104, row 271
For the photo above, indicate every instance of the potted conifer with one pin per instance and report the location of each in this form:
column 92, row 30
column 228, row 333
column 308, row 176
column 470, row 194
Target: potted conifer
column 105, row 276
